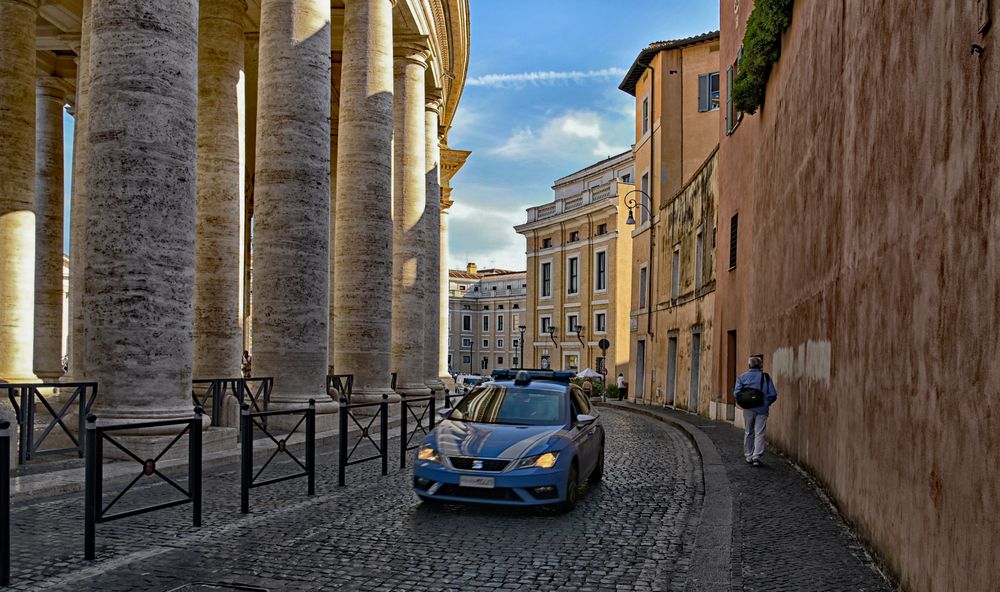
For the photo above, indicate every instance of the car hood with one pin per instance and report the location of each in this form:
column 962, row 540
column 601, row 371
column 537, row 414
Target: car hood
column 461, row 438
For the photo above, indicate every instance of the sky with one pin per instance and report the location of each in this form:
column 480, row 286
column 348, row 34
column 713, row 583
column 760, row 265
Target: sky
column 541, row 101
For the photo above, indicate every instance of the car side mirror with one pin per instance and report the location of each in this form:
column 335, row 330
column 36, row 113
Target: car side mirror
column 443, row 413
column 585, row 419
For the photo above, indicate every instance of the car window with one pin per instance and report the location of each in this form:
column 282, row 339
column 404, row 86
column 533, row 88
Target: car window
column 580, row 402
column 492, row 403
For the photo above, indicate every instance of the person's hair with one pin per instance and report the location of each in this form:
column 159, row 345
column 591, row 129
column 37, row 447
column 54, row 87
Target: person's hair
column 756, row 362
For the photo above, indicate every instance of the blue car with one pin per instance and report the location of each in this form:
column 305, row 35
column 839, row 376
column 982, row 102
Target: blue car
column 528, row 438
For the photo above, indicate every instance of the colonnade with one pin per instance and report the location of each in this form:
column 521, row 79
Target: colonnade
column 180, row 115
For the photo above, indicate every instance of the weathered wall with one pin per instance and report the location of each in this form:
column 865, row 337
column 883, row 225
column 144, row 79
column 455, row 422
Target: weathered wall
column 876, row 277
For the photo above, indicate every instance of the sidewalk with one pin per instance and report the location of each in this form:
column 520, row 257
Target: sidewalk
column 785, row 535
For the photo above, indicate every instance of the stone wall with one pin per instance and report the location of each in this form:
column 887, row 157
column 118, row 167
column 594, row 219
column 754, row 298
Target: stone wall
column 875, row 285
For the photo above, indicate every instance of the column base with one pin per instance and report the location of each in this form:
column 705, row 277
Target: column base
column 374, row 395
column 414, row 390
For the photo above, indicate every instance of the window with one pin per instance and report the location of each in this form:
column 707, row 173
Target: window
column 699, row 254
column 642, row 287
column 733, row 117
column 499, row 323
column 645, row 115
column 675, row 273
column 644, row 213
column 508, row 287
column 485, row 363
column 573, row 322
column 574, row 236
column 572, row 362
column 515, row 343
column 461, row 287
column 499, row 360
column 466, row 322
column 601, row 270
column 627, row 178
column 494, row 288
column 466, row 307
column 475, row 289
column 602, row 229
column 546, row 279
column 516, row 306
column 516, row 362
column 500, row 306
column 708, row 92
column 466, row 359
column 515, row 320
column 544, row 323
column 466, row 342
column 486, row 344
column 546, row 243
column 449, row 360
column 499, row 343
column 734, row 226
column 574, row 275
column 486, row 323
column 601, row 322
column 487, row 307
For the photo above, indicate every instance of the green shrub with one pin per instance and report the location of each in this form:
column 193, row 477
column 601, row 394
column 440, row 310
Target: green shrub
column 761, row 48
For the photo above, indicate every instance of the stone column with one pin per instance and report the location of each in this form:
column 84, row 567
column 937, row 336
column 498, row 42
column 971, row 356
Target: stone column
column 78, row 203
column 139, row 287
column 443, row 295
column 292, row 202
column 50, row 98
column 251, row 47
column 217, row 273
column 336, row 63
column 430, row 275
column 17, row 188
column 409, row 228
column 363, row 290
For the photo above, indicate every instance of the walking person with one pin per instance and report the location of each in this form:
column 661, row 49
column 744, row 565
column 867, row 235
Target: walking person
column 622, row 388
column 588, row 387
column 245, row 364
column 754, row 393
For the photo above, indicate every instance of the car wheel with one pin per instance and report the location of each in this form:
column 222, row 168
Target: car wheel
column 572, row 489
column 598, row 473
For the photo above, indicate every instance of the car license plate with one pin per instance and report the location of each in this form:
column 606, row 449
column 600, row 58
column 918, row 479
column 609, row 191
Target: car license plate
column 480, row 482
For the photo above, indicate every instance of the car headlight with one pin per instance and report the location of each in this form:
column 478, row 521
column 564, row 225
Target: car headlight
column 428, row 453
column 539, row 461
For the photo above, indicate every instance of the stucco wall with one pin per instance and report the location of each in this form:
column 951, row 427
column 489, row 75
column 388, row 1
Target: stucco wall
column 875, row 285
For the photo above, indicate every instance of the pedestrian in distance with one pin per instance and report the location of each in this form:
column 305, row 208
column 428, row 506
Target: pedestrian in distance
column 622, row 387
column 588, row 387
column 754, row 393
column 245, row 364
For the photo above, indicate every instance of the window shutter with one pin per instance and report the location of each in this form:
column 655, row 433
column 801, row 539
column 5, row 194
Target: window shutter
column 729, row 100
column 703, row 92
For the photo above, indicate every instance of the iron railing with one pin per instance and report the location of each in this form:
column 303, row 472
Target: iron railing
column 24, row 399
column 95, row 510
column 249, row 480
column 4, row 502
column 344, row 383
column 253, row 390
column 406, row 411
column 382, row 447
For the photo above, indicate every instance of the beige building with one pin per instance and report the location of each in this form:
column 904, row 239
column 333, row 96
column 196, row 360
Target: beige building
column 676, row 90
column 486, row 313
column 579, row 270
column 323, row 124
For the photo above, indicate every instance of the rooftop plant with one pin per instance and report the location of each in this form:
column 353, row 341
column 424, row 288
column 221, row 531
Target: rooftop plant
column 761, row 48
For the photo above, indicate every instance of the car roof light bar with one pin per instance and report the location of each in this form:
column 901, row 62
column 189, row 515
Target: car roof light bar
column 533, row 374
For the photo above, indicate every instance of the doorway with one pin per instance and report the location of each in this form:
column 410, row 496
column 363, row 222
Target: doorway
column 640, row 369
column 695, row 370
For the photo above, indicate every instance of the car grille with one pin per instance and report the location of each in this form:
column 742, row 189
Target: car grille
column 464, row 463
column 500, row 493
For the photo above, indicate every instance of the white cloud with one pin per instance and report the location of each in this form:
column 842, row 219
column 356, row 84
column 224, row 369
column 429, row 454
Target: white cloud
column 575, row 133
column 543, row 77
column 485, row 236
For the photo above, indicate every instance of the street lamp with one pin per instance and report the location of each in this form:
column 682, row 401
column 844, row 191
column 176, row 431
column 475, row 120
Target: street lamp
column 630, row 203
column 580, row 328
column 520, row 357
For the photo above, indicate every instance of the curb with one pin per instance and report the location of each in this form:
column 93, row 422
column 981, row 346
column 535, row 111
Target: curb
column 711, row 562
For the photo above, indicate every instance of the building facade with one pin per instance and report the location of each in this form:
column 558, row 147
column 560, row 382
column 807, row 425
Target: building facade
column 194, row 120
column 675, row 85
column 863, row 264
column 579, row 251
column 487, row 310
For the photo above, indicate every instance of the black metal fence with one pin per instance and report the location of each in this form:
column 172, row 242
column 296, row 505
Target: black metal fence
column 255, row 391
column 382, row 446
column 249, row 419
column 4, row 502
column 344, row 383
column 25, row 399
column 95, row 512
column 423, row 423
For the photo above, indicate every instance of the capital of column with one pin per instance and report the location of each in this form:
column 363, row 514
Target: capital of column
column 28, row 3
column 413, row 49
column 434, row 101
column 52, row 87
column 252, row 36
column 446, row 201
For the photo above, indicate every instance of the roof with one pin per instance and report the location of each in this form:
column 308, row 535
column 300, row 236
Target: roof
column 592, row 168
column 642, row 60
column 482, row 274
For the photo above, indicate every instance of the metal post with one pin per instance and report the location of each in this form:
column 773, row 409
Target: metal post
column 246, row 457
column 384, row 429
column 4, row 502
column 311, row 446
column 194, row 465
column 81, row 391
column 91, row 499
column 27, row 421
column 342, row 437
column 447, row 399
column 403, row 440
column 431, row 416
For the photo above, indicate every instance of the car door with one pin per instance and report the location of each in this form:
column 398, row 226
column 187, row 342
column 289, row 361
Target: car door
column 586, row 435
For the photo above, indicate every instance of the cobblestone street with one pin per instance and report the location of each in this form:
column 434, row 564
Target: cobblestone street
column 634, row 531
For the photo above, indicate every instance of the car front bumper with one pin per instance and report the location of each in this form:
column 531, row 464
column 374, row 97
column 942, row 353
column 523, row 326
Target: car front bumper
column 520, row 487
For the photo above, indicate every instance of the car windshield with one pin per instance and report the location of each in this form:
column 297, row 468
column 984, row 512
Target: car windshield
column 494, row 403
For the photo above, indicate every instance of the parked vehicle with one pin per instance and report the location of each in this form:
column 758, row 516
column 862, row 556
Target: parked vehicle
column 529, row 438
column 466, row 382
